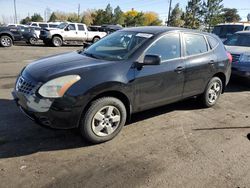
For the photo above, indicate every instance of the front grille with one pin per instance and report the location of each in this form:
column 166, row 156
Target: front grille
column 236, row 57
column 25, row 86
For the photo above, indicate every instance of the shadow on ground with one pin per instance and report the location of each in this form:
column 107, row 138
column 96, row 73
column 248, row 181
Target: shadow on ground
column 19, row 136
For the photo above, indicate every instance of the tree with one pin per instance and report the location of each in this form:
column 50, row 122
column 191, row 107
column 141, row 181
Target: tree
column 73, row 17
column 36, row 18
column 108, row 14
column 230, row 15
column 118, row 17
column 25, row 20
column 99, row 17
column 176, row 19
column 211, row 10
column 151, row 18
column 193, row 14
column 248, row 17
column 88, row 17
column 53, row 17
column 133, row 18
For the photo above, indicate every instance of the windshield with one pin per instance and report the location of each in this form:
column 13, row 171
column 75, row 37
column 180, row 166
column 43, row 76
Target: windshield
column 224, row 31
column 238, row 40
column 117, row 46
column 62, row 25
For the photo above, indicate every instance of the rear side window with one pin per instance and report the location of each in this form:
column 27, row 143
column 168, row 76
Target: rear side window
column 43, row 25
column 53, row 25
column 194, row 44
column 80, row 27
column 212, row 42
column 168, row 47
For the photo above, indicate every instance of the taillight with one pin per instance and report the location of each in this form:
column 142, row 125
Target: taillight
column 230, row 57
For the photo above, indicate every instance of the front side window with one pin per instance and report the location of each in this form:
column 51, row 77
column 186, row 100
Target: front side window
column 34, row 24
column 117, row 46
column 167, row 47
column 72, row 27
column 194, row 44
column 80, row 27
column 43, row 25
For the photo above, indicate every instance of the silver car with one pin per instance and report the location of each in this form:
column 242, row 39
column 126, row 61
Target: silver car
column 239, row 46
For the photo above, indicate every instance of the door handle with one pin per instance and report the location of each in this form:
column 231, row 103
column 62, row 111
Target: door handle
column 179, row 69
column 211, row 62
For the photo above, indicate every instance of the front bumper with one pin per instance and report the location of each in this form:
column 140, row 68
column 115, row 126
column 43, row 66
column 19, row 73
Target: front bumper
column 241, row 71
column 52, row 113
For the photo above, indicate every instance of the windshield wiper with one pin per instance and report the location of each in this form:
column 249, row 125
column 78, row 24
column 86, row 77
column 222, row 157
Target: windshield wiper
column 91, row 55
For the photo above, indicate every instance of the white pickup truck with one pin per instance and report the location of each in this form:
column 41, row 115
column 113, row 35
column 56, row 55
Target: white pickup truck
column 69, row 33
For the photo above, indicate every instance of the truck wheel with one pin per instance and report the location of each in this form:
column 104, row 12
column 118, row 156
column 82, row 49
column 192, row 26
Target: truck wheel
column 6, row 41
column 212, row 92
column 57, row 41
column 95, row 39
column 103, row 120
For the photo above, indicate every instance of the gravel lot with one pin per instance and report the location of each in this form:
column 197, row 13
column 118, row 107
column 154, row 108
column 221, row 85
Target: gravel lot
column 179, row 145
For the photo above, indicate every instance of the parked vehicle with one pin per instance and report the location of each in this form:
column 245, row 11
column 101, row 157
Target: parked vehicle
column 111, row 28
column 68, row 33
column 226, row 30
column 128, row 71
column 239, row 46
column 30, row 35
column 44, row 24
column 8, row 35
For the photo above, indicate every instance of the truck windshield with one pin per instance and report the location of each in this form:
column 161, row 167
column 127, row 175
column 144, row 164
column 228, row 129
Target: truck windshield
column 62, row 25
column 238, row 40
column 117, row 46
column 224, row 31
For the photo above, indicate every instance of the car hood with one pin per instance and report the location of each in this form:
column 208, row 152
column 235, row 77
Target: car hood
column 62, row 64
column 237, row 49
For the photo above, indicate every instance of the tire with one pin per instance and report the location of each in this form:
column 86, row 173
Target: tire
column 103, row 120
column 57, row 41
column 6, row 41
column 32, row 41
column 212, row 93
column 95, row 39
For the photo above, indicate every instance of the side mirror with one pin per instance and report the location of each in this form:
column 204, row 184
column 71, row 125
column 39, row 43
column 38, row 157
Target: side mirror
column 86, row 45
column 152, row 60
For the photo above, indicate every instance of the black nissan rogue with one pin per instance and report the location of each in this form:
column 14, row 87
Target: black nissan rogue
column 131, row 70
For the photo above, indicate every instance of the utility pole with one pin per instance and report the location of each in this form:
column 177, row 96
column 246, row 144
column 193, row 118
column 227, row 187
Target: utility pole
column 169, row 11
column 78, row 11
column 15, row 12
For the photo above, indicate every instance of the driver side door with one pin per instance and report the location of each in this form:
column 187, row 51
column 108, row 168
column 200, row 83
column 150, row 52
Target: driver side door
column 157, row 85
column 70, row 32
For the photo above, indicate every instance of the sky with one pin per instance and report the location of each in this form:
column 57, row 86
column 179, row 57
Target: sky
column 28, row 7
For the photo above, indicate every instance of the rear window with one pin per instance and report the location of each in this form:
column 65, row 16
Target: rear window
column 194, row 44
column 224, row 31
column 212, row 42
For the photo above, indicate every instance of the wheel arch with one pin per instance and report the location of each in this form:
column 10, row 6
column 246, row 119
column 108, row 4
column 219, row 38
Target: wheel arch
column 57, row 35
column 116, row 94
column 222, row 76
column 7, row 34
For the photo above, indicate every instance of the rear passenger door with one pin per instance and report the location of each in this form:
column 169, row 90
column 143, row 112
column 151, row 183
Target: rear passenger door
column 199, row 63
column 81, row 32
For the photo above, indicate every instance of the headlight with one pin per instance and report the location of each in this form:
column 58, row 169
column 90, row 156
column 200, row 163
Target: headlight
column 57, row 87
column 245, row 58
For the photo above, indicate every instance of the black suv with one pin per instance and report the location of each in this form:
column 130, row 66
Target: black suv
column 8, row 35
column 131, row 70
